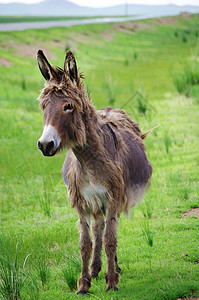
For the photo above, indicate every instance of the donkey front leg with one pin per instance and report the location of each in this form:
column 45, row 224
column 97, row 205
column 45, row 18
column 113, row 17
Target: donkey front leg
column 110, row 245
column 84, row 281
column 98, row 230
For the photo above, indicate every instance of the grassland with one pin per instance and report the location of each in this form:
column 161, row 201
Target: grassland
column 19, row 19
column 138, row 66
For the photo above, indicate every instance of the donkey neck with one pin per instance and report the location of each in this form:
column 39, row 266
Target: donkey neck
column 92, row 152
column 89, row 153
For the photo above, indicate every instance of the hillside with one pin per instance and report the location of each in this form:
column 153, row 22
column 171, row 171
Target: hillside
column 66, row 8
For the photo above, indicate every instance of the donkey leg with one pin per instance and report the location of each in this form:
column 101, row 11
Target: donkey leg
column 110, row 244
column 117, row 267
column 98, row 230
column 84, row 281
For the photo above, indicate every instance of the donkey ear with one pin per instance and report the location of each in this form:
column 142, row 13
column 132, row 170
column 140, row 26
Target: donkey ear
column 70, row 67
column 45, row 67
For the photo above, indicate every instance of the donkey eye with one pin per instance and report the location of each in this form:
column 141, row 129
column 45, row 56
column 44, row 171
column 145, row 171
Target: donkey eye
column 67, row 107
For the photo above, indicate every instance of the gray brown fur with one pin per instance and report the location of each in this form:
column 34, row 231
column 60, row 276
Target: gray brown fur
column 106, row 169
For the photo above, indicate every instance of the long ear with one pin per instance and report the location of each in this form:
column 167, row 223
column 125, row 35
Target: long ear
column 45, row 67
column 70, row 67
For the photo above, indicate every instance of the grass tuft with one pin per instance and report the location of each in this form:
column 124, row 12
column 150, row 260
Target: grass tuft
column 186, row 81
column 12, row 274
column 184, row 38
column 167, row 142
column 110, row 89
column 45, row 199
column 135, row 55
column 176, row 33
column 147, row 208
column 142, row 105
column 43, row 269
column 126, row 62
column 148, row 234
column 70, row 272
column 23, row 84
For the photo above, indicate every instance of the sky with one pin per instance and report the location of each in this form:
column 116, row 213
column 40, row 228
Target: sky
column 101, row 3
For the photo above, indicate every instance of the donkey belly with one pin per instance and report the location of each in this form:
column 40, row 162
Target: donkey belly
column 95, row 196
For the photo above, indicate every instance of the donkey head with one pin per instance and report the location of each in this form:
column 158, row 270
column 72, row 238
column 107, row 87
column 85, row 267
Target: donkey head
column 63, row 101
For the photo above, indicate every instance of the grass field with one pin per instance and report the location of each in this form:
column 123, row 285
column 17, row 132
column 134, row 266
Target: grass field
column 19, row 19
column 149, row 68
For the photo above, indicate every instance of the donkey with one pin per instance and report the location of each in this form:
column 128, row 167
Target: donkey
column 106, row 170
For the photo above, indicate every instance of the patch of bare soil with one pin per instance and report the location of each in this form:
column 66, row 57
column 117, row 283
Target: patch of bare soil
column 186, row 15
column 192, row 212
column 68, row 44
column 89, row 38
column 28, row 50
column 4, row 62
column 107, row 35
column 167, row 21
column 83, row 38
column 130, row 27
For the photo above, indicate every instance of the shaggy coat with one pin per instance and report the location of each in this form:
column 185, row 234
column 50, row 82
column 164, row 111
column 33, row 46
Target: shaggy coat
column 106, row 169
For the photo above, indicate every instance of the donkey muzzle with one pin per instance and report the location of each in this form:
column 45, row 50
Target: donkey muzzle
column 49, row 142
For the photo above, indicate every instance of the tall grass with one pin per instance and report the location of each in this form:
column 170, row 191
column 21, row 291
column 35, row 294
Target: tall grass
column 135, row 55
column 148, row 235
column 45, row 199
column 167, row 142
column 141, row 104
column 110, row 89
column 43, row 269
column 186, row 81
column 147, row 208
column 12, row 274
column 70, row 272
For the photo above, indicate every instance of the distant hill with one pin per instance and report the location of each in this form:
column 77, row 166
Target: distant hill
column 67, row 8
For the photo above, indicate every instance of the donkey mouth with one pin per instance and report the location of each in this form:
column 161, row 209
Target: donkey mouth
column 50, row 153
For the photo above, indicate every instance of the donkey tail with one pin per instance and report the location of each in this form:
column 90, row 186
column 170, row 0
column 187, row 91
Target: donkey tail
column 145, row 134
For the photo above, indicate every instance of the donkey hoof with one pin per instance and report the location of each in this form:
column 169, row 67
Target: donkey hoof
column 82, row 292
column 111, row 287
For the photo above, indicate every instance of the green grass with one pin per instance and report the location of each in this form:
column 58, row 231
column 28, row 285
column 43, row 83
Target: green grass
column 71, row 271
column 187, row 83
column 12, row 275
column 20, row 19
column 157, row 247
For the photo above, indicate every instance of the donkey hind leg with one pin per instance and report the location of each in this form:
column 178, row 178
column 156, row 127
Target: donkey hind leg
column 84, row 281
column 117, row 267
column 98, row 230
column 110, row 245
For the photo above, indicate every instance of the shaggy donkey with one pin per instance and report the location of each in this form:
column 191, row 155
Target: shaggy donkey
column 106, row 169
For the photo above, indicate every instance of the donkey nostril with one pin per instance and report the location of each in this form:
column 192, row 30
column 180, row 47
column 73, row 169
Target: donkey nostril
column 50, row 146
column 39, row 145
